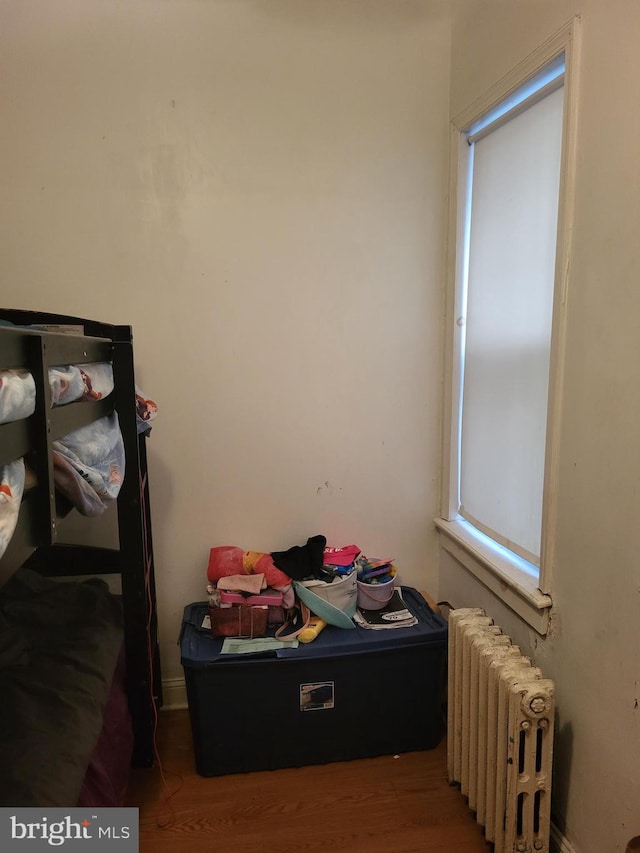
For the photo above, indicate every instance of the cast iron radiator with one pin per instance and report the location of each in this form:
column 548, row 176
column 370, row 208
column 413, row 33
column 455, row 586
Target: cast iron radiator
column 500, row 733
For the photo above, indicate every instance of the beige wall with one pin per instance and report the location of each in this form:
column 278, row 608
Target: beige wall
column 258, row 188
column 594, row 650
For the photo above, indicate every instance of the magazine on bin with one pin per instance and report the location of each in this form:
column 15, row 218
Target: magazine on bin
column 395, row 614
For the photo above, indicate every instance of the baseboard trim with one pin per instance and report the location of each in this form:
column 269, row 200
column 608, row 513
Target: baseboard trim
column 559, row 843
column 174, row 694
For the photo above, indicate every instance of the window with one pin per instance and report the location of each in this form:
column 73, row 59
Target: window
column 514, row 183
column 506, row 315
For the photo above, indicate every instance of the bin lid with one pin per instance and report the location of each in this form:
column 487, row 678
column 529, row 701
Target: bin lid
column 199, row 648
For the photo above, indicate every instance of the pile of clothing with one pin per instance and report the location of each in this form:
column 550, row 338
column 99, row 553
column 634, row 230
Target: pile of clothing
column 315, row 585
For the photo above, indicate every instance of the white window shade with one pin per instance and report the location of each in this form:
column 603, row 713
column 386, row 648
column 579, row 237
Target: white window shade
column 509, row 305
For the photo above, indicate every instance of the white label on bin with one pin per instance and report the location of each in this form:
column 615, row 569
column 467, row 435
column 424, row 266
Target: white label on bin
column 317, row 696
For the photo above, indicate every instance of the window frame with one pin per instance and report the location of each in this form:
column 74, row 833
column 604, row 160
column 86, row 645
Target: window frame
column 507, row 575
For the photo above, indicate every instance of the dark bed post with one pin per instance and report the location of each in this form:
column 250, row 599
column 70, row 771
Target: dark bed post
column 136, row 561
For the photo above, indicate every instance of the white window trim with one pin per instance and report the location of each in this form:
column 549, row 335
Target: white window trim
column 530, row 597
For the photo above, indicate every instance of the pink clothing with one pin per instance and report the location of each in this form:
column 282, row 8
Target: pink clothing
column 226, row 560
column 340, row 556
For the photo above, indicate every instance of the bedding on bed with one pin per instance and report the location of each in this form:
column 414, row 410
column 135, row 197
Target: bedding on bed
column 17, row 395
column 59, row 645
column 67, row 384
column 89, row 465
column 86, row 382
column 146, row 411
column 105, row 782
column 12, row 478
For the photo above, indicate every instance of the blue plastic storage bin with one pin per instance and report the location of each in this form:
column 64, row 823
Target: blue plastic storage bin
column 348, row 694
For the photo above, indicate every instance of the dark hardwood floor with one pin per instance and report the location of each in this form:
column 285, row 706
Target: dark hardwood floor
column 375, row 805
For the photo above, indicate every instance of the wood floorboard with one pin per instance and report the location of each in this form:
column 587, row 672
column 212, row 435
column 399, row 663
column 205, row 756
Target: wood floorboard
column 375, row 805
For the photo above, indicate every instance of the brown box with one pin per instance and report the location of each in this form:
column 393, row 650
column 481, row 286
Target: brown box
column 239, row 620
